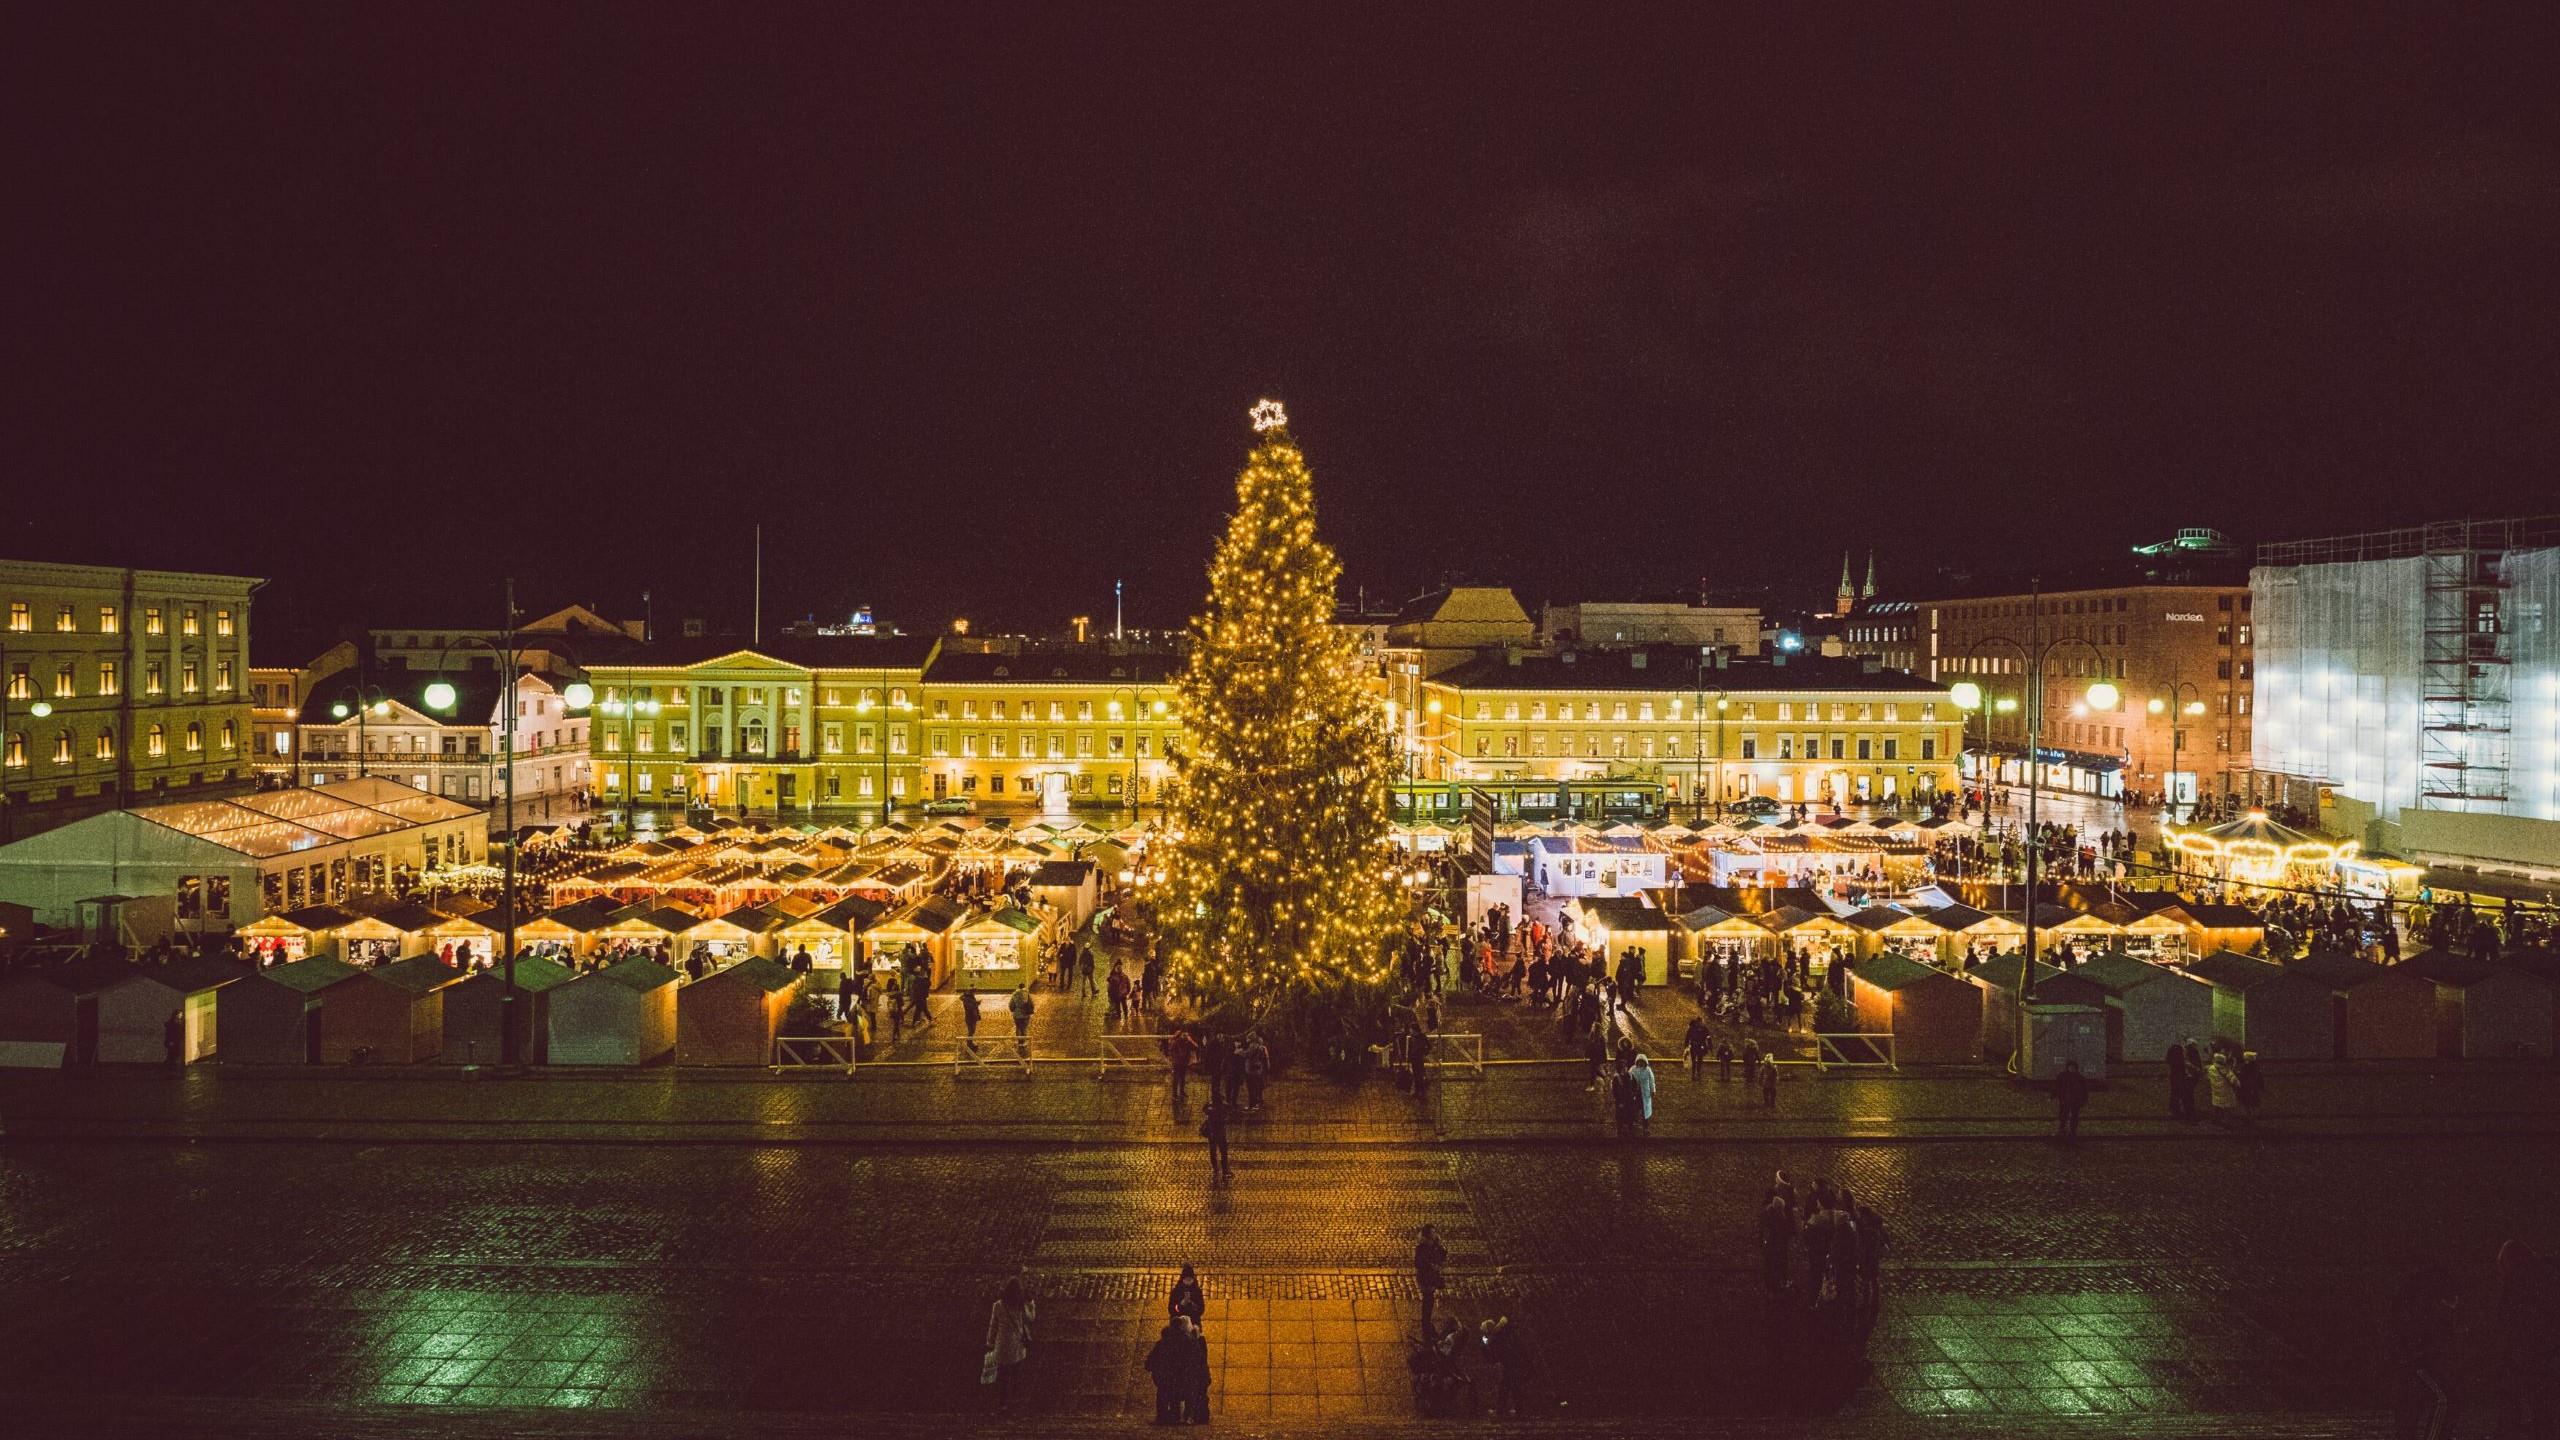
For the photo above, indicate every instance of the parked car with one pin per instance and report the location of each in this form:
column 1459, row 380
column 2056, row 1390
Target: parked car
column 950, row 805
column 1754, row 805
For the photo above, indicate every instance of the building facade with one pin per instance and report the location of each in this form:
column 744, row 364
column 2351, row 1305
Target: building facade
column 1051, row 728
column 1887, row 631
column 2182, row 656
column 1613, row 623
column 444, row 733
column 1796, row 729
column 792, row 724
column 119, row 687
column 2412, row 684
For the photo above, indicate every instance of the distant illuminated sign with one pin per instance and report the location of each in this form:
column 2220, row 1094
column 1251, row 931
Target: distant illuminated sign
column 2187, row 615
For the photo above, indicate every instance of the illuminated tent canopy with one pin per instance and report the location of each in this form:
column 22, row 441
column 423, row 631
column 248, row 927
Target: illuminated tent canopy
column 2254, row 850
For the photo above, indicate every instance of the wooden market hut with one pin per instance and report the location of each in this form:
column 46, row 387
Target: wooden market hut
column 1883, row 928
column 389, row 1014
column 472, row 1012
column 2385, row 1012
column 276, row 1016
column 410, row 920
column 1971, row 932
column 740, row 933
column 624, row 1014
column 2275, row 1010
column 2149, row 1007
column 2085, row 931
column 134, row 1010
column 2066, row 1023
column 2212, row 929
column 572, row 927
column 929, row 923
column 1000, row 948
column 310, row 930
column 41, row 1007
column 1070, row 887
column 1935, row 1017
column 1612, row 923
column 1999, row 976
column 2486, row 1009
column 731, row 1018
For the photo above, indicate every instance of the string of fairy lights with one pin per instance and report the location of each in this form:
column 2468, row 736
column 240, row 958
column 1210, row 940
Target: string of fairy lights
column 1278, row 870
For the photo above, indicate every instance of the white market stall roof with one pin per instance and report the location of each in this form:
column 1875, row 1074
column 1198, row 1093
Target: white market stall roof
column 268, row 823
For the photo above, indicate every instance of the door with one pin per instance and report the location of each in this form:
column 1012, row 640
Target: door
column 941, row 785
column 1053, row 790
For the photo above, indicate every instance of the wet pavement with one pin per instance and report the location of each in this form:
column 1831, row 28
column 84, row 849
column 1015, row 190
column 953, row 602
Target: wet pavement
column 2204, row 1277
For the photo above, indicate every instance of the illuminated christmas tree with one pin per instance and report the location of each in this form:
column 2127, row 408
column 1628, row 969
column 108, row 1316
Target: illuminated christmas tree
column 1277, row 886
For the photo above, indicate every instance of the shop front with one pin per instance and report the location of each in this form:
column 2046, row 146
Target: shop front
column 999, row 950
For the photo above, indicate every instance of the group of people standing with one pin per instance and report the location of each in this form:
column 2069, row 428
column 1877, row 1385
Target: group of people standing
column 1824, row 1249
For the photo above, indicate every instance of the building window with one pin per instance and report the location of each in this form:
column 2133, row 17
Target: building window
column 62, row 681
column 153, row 622
column 189, row 623
column 230, row 736
column 189, row 677
column 109, row 683
column 106, row 744
column 1866, row 748
column 21, row 687
column 1892, row 748
column 156, row 744
column 17, row 753
column 152, row 683
column 1928, row 747
column 995, row 744
column 222, row 622
column 20, row 620
column 62, row 747
column 63, row 621
column 221, row 677
column 109, row 621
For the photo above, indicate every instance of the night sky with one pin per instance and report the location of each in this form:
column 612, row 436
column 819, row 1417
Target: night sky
column 966, row 304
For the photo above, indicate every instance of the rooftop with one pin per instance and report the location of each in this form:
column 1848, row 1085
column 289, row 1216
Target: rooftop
column 266, row 823
column 1674, row 669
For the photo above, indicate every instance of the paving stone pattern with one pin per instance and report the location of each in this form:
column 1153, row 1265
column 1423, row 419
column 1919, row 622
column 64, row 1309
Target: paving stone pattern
column 2213, row 1278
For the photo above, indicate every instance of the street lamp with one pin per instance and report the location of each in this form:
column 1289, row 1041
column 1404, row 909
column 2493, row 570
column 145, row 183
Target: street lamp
column 441, row 696
column 2033, row 654
column 2159, row 706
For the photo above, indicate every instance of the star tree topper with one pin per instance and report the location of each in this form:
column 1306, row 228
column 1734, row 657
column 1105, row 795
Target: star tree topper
column 1267, row 415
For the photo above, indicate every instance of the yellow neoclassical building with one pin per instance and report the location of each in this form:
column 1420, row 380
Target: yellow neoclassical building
column 1799, row 728
column 809, row 724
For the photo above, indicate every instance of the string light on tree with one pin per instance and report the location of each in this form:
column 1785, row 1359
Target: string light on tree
column 1279, row 808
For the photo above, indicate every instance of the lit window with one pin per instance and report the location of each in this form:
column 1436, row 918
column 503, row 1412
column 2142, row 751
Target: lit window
column 108, row 620
column 152, row 683
column 189, row 677
column 190, row 624
column 20, row 686
column 62, row 747
column 221, row 677
column 63, row 622
column 106, row 744
column 109, row 683
column 19, row 618
column 17, row 753
column 195, row 736
column 157, row 742
column 62, row 681
column 153, row 623
column 230, row 736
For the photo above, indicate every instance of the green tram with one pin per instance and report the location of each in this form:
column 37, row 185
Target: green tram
column 1609, row 800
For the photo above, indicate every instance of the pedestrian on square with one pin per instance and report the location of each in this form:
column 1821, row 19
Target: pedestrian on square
column 1430, row 1258
column 1181, row 1048
column 1871, row 1242
column 1768, row 1083
column 1595, row 1055
column 1118, row 989
column 1641, row 1073
column 969, row 1019
column 1509, row 1359
column 2223, row 1081
column 1188, row 1299
column 1020, row 1006
column 2070, row 1092
column 1084, row 971
column 1777, row 1236
column 1008, row 1342
column 1216, row 1054
column 1695, row 1043
column 1213, row 1128
column 897, row 1016
column 2197, row 1079
column 1257, row 1070
column 845, row 992
column 1724, row 1061
column 1195, row 1374
column 1168, row 1364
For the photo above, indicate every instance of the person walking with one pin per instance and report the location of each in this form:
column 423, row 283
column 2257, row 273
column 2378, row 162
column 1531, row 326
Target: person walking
column 2070, row 1092
column 1168, row 1366
column 1595, row 1054
column 1118, row 989
column 1181, row 1048
column 1195, row 1373
column 1768, row 1084
column 1641, row 1072
column 2223, row 1081
column 1694, row 1043
column 1724, row 1062
column 1257, row 1070
column 1213, row 1128
column 1084, row 971
column 845, row 993
column 1777, row 1236
column 969, row 1020
column 1430, row 1258
column 1008, row 1343
column 1188, row 1298
column 1020, row 1006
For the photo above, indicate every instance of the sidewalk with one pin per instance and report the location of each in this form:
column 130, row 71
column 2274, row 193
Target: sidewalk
column 1055, row 1102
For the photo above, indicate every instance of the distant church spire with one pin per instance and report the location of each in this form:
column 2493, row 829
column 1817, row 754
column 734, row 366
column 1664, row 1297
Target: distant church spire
column 1869, row 593
column 1848, row 595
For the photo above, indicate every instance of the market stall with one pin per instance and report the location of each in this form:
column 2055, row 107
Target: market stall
column 927, row 923
column 1580, row 865
column 2485, row 1009
column 731, row 1018
column 1615, row 923
column 40, row 1007
column 2149, row 1007
column 2212, row 929
column 1072, row 888
column 2066, row 1023
column 472, row 1009
column 1884, row 929
column 134, row 1010
column 1999, row 976
column 281, row 939
column 1935, row 1017
column 1817, row 937
column 624, row 1014
column 1000, row 948
column 2271, row 1009
column 2385, row 1012
column 388, row 1014
column 274, row 1016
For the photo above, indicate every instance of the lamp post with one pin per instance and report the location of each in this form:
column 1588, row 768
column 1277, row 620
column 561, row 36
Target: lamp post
column 1143, row 703
column 441, row 697
column 887, row 707
column 1969, row 698
column 2173, row 708
column 2101, row 695
column 369, row 700
column 630, row 713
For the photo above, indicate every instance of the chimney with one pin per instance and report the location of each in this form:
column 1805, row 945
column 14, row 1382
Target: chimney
column 1635, row 659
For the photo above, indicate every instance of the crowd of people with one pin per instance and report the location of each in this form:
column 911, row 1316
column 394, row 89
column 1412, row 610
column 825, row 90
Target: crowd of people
column 1822, row 1249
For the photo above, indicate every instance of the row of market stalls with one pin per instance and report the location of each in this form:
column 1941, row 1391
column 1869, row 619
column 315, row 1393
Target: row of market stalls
column 1838, row 854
